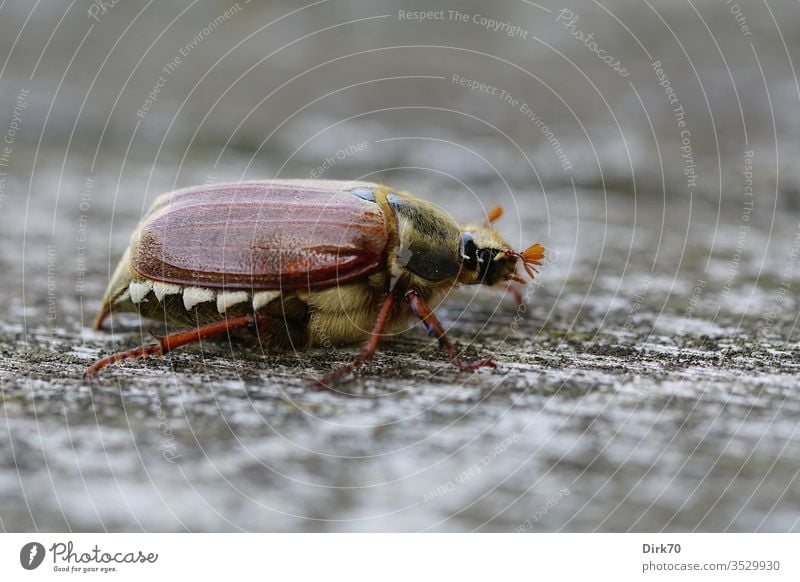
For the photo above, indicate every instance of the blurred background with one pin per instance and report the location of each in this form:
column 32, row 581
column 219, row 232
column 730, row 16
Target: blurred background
column 651, row 383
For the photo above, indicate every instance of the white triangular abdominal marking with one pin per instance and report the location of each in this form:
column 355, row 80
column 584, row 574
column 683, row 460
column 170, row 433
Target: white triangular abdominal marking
column 124, row 297
column 163, row 289
column 139, row 290
column 228, row 299
column 261, row 298
column 195, row 295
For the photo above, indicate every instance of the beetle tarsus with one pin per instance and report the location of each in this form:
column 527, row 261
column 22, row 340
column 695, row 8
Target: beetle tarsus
column 330, row 379
column 140, row 352
column 436, row 329
column 369, row 349
column 486, row 362
column 165, row 344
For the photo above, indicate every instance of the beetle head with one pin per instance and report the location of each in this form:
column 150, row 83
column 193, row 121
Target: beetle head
column 490, row 260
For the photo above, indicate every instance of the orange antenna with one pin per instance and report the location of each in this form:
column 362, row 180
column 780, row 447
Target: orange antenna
column 530, row 257
column 493, row 215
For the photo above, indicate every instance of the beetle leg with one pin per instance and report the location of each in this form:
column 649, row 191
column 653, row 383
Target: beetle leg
column 436, row 329
column 519, row 298
column 170, row 342
column 369, row 349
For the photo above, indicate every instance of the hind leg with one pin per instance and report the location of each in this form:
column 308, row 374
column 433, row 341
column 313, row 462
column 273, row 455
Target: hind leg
column 369, row 349
column 173, row 341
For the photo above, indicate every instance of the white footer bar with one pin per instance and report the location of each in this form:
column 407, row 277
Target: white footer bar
column 401, row 557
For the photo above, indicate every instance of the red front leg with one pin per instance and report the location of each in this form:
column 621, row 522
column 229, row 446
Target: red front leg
column 517, row 295
column 436, row 329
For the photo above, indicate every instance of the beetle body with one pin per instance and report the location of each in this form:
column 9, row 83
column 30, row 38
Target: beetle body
column 307, row 263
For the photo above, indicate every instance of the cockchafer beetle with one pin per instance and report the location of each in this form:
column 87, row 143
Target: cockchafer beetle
column 303, row 263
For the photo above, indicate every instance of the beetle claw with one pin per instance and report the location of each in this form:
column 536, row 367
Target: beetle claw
column 328, row 380
column 486, row 362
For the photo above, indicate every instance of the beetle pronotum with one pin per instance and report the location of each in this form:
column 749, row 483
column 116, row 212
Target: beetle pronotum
column 302, row 263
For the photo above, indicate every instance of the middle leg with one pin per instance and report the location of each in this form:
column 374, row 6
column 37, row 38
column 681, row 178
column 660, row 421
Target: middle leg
column 369, row 349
